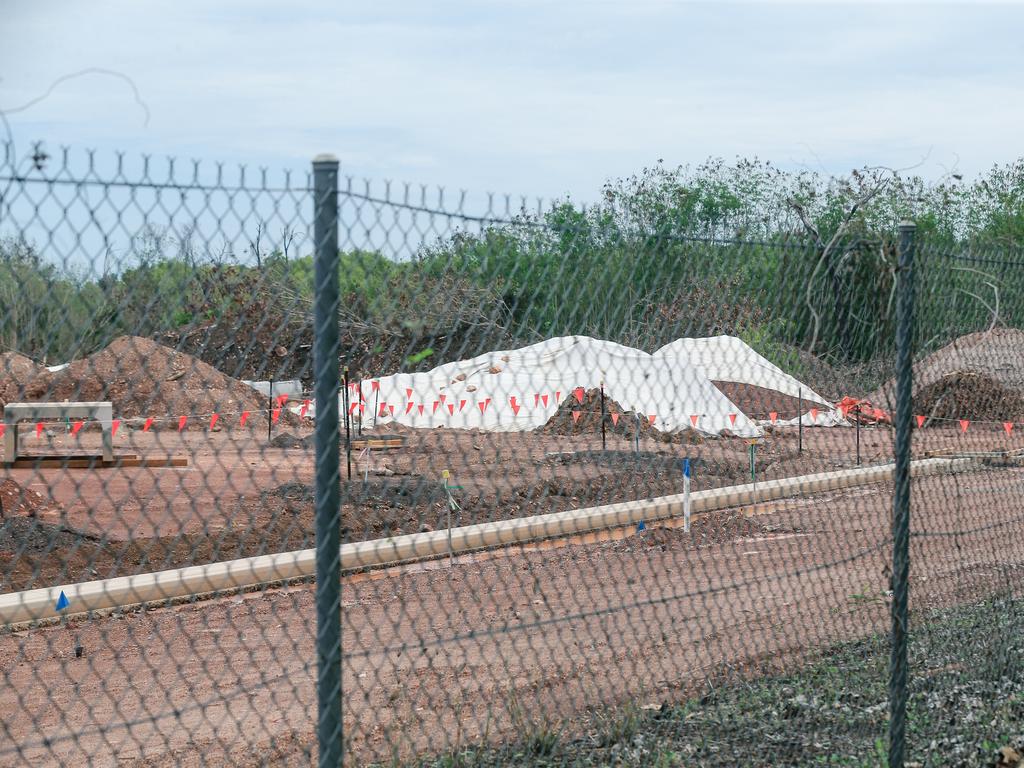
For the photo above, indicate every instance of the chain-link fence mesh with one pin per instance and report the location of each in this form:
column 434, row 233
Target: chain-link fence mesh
column 616, row 482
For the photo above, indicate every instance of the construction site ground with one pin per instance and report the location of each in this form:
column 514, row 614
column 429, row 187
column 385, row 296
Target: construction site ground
column 442, row 653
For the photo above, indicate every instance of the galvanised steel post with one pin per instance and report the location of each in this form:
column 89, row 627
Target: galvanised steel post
column 327, row 494
column 901, row 494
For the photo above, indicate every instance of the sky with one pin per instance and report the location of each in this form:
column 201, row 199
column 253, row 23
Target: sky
column 536, row 98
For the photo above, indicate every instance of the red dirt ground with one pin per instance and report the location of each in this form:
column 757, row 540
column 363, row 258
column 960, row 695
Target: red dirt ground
column 438, row 655
column 239, row 496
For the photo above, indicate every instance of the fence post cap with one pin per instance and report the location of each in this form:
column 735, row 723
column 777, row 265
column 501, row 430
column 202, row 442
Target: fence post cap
column 325, row 158
column 907, row 224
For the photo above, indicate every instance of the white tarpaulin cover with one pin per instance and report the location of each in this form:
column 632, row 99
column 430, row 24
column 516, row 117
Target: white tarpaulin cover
column 673, row 385
column 726, row 358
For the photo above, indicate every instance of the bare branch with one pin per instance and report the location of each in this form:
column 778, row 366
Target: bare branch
column 827, row 248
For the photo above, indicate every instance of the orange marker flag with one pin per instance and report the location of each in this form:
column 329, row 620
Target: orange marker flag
column 305, row 408
column 732, row 419
column 451, row 408
column 920, row 421
column 814, row 414
column 579, row 392
column 420, row 409
column 149, row 423
column 181, row 422
column 515, row 408
column 536, row 400
column 391, row 410
column 773, row 416
column 245, row 417
column 375, row 386
column 512, row 400
column 282, row 399
column 408, row 407
column 39, row 429
column 693, row 420
column 544, row 399
column 436, row 404
column 651, row 419
column 3, row 428
column 441, row 397
column 113, row 426
column 576, row 416
column 76, row 427
column 275, row 415
column 1008, row 426
column 383, row 409
column 462, row 404
column 483, row 406
column 213, row 420
column 964, row 424
column 615, row 418
column 408, row 393
column 558, row 396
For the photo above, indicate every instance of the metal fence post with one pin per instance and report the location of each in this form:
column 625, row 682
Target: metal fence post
column 901, row 494
column 327, row 494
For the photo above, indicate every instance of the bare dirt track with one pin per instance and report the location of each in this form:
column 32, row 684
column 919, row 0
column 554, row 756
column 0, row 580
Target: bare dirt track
column 439, row 655
column 241, row 495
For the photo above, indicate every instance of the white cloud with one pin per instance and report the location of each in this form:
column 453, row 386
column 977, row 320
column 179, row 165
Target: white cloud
column 538, row 97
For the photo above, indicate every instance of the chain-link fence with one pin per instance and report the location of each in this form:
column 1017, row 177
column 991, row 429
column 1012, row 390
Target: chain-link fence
column 302, row 468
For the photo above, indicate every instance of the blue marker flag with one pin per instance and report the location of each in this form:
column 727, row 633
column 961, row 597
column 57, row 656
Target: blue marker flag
column 62, row 601
column 686, row 467
column 641, row 527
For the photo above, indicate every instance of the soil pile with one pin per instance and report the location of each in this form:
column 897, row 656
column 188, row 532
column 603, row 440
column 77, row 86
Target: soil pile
column 706, row 530
column 997, row 355
column 288, row 440
column 759, row 402
column 21, row 379
column 574, row 417
column 16, row 501
column 969, row 395
column 142, row 378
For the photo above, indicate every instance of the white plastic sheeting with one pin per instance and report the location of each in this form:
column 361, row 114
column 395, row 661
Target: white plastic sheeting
column 673, row 386
column 726, row 358
column 290, row 387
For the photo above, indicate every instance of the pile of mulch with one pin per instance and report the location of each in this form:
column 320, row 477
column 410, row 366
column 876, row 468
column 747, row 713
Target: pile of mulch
column 16, row 501
column 969, row 395
column 563, row 422
column 142, row 378
column 21, row 379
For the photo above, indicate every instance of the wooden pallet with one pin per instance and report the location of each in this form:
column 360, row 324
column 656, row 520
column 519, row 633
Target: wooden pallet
column 78, row 461
column 376, row 443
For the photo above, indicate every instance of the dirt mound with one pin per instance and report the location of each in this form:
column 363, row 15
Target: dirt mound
column 759, row 402
column 574, row 417
column 969, row 395
column 21, row 378
column 707, row 529
column 142, row 378
column 288, row 440
column 16, row 501
column 997, row 355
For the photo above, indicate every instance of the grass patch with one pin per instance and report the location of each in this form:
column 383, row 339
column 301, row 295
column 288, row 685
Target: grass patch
column 966, row 704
